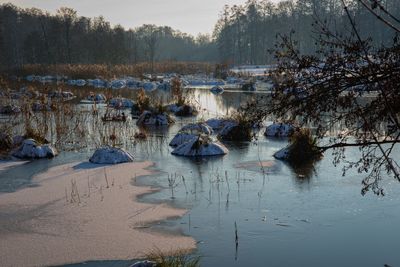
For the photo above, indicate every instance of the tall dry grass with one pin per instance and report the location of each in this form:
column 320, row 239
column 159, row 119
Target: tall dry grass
column 87, row 71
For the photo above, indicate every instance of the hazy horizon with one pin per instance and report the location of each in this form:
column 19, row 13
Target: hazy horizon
column 189, row 16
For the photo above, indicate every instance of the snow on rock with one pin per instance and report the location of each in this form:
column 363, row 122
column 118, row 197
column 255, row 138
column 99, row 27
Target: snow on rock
column 110, row 155
column 279, row 130
column 80, row 82
column 120, row 102
column 181, row 138
column 31, row 149
column 217, row 90
column 200, row 147
column 149, row 86
column 218, row 124
column 118, row 84
column 185, row 110
column 149, row 118
column 189, row 132
column 197, row 128
column 98, row 98
column 10, row 109
column 145, row 263
column 282, row 154
column 164, row 86
column 227, row 128
column 172, row 108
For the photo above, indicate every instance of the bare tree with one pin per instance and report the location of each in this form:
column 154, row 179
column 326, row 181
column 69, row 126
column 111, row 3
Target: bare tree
column 350, row 83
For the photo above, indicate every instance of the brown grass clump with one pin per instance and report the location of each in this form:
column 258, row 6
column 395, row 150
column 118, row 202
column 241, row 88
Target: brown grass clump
column 177, row 259
column 303, row 148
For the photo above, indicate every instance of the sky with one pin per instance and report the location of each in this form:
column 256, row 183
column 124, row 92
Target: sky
column 190, row 16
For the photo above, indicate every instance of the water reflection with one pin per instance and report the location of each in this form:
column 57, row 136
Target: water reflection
column 279, row 223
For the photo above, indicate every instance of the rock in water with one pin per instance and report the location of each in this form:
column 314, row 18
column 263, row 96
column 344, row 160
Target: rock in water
column 282, row 154
column 32, row 149
column 149, row 118
column 145, row 263
column 279, row 130
column 200, row 147
column 110, row 155
column 181, row 138
column 197, row 128
column 189, row 132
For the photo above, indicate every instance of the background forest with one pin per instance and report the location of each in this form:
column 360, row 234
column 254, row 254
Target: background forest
column 244, row 34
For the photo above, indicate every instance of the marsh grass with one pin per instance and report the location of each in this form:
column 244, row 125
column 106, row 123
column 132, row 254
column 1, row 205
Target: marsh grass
column 179, row 258
column 87, row 71
column 303, row 148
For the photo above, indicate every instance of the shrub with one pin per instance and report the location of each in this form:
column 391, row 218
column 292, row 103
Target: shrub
column 179, row 259
column 143, row 101
column 303, row 148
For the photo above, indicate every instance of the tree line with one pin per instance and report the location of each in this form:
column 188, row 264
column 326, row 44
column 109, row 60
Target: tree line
column 246, row 33
column 32, row 36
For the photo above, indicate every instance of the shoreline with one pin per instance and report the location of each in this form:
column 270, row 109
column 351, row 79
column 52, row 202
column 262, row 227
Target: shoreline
column 7, row 164
column 85, row 212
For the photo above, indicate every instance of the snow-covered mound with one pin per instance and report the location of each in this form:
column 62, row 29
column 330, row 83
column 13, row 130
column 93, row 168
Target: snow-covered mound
column 217, row 90
column 80, row 82
column 218, row 124
column 98, row 83
column 31, row 149
column 145, row 263
column 117, row 84
column 279, row 130
column 197, row 128
column 228, row 127
column 190, row 132
column 282, row 154
column 181, row 138
column 186, row 110
column 120, row 102
column 164, row 85
column 182, row 111
column 64, row 96
column 200, row 147
column 10, row 109
column 149, row 118
column 110, row 155
column 97, row 98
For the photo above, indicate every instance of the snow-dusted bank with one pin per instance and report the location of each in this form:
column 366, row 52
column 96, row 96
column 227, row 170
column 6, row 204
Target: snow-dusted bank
column 81, row 212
